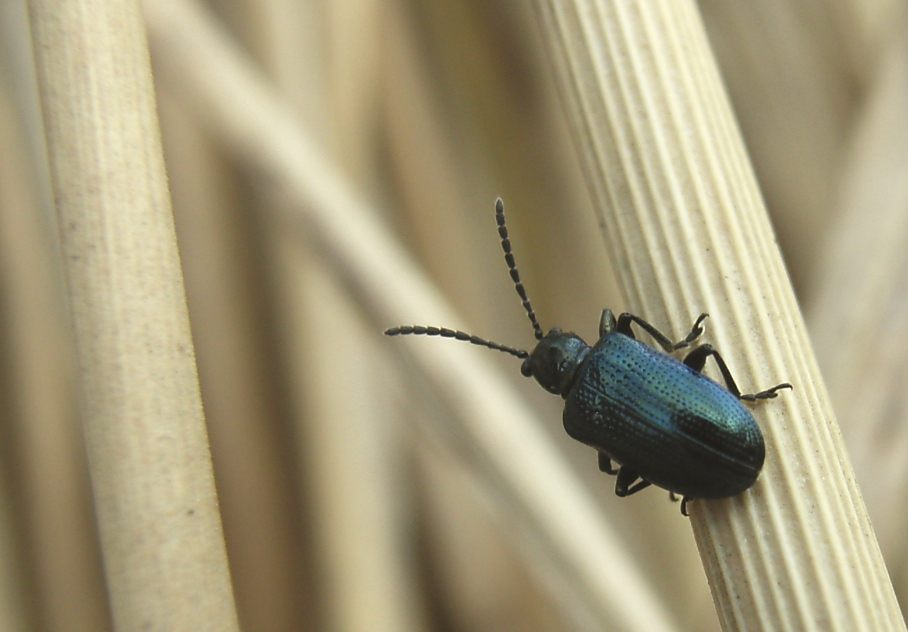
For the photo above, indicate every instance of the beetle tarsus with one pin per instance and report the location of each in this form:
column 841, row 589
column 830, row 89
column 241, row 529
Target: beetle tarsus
column 695, row 332
column 684, row 502
column 769, row 393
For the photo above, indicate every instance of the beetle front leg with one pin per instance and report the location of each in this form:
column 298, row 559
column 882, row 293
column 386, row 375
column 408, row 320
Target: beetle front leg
column 696, row 360
column 628, row 482
column 624, row 327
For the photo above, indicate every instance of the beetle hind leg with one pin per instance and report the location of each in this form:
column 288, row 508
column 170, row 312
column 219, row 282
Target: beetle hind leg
column 629, row 482
column 696, row 360
column 769, row 393
column 684, row 502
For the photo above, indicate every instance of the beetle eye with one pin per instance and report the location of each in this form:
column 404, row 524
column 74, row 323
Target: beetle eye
column 554, row 331
column 527, row 368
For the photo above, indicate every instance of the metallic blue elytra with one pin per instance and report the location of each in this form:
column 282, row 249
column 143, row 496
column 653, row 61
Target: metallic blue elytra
column 659, row 418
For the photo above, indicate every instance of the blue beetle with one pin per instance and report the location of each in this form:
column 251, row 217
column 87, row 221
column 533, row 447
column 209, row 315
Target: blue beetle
column 659, row 418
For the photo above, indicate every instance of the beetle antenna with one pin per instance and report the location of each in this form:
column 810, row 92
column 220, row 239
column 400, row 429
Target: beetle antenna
column 512, row 268
column 444, row 332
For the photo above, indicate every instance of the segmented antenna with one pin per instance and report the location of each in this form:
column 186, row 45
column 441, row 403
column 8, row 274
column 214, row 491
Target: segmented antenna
column 444, row 332
column 512, row 268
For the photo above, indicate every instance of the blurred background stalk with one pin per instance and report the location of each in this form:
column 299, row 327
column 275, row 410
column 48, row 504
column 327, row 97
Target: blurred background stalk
column 158, row 524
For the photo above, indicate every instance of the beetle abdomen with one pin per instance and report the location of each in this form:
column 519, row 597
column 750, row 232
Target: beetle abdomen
column 673, row 426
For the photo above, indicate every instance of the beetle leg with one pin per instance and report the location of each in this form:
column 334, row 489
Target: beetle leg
column 624, row 327
column 695, row 331
column 607, row 323
column 684, row 502
column 769, row 393
column 696, row 360
column 627, row 482
column 605, row 464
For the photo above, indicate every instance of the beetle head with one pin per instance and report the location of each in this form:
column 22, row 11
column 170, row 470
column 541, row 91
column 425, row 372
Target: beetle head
column 555, row 360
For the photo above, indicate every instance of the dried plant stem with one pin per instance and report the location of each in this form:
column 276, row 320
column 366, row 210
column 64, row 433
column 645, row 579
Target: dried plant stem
column 686, row 225
column 161, row 537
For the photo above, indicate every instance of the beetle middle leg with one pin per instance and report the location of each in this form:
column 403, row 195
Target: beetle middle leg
column 628, row 482
column 696, row 360
column 605, row 464
column 624, row 327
